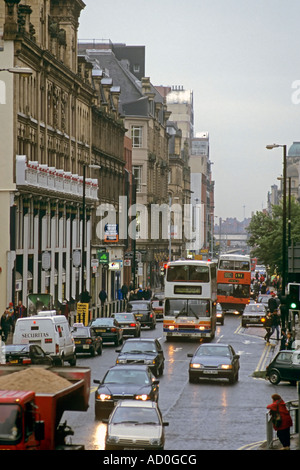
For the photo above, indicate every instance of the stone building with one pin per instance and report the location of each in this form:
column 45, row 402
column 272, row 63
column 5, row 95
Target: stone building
column 62, row 154
column 145, row 118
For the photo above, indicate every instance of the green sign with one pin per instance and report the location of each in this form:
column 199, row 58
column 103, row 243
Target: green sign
column 103, row 257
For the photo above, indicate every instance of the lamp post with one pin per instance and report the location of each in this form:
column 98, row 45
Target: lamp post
column 270, row 147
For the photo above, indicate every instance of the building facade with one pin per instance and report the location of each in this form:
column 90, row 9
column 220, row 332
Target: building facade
column 63, row 154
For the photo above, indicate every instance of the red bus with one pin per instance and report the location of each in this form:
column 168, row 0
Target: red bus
column 233, row 282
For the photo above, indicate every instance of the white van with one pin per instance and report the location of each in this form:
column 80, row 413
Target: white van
column 51, row 332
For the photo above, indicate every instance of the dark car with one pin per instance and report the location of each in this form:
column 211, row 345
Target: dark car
column 214, row 361
column 146, row 429
column 254, row 314
column 158, row 305
column 146, row 351
column 109, row 330
column 284, row 367
column 86, row 340
column 130, row 325
column 220, row 314
column 142, row 309
column 124, row 382
column 26, row 354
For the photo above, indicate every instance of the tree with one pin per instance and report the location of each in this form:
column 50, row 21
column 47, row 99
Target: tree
column 265, row 235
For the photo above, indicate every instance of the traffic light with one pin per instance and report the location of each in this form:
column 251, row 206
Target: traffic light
column 294, row 296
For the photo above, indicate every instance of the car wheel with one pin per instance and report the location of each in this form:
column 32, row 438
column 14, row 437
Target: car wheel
column 100, row 350
column 192, row 379
column 274, row 377
column 93, row 352
column 72, row 362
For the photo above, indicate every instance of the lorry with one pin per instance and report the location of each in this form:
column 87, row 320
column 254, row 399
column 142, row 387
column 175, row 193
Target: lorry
column 32, row 402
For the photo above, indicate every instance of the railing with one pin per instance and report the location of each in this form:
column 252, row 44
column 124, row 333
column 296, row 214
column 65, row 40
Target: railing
column 293, row 407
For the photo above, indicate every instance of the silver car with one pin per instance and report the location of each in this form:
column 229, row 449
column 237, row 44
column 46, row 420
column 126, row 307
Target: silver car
column 135, row 425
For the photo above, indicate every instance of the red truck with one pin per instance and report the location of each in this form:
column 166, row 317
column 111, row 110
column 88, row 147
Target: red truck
column 29, row 419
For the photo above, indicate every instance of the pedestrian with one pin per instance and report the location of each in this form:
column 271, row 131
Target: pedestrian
column 282, row 426
column 268, row 326
column 21, row 310
column 272, row 303
column 275, row 323
column 102, row 296
column 124, row 290
column 289, row 341
column 6, row 324
column 283, row 339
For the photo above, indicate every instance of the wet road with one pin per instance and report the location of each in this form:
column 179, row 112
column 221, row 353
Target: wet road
column 210, row 415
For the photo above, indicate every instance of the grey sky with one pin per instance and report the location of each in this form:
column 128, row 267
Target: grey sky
column 240, row 58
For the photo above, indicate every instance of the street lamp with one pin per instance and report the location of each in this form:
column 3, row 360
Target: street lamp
column 270, row 147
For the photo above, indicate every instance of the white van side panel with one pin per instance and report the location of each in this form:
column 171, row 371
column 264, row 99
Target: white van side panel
column 51, row 333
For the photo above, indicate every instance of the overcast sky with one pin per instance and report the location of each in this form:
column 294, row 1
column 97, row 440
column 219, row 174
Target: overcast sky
column 241, row 59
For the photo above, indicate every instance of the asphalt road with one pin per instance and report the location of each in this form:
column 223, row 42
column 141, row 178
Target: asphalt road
column 211, row 415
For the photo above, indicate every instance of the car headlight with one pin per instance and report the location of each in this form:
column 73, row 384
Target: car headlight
column 155, row 442
column 225, row 366
column 196, row 366
column 103, row 396
column 121, row 361
column 149, row 361
column 112, row 439
column 143, row 397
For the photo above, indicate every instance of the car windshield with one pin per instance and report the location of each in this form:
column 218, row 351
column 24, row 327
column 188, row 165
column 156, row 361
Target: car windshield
column 187, row 308
column 138, row 306
column 185, row 273
column 234, row 290
column 79, row 331
column 125, row 317
column 137, row 377
column 103, row 322
column 135, row 416
column 16, row 348
column 138, row 347
column 254, row 308
column 213, row 351
column 10, row 422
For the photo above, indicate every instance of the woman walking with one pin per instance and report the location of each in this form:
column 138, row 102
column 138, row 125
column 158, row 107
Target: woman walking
column 282, row 420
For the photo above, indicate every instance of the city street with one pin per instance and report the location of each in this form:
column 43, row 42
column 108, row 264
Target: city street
column 203, row 416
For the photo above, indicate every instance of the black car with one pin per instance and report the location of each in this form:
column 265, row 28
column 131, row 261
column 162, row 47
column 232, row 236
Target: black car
column 143, row 312
column 124, row 382
column 86, row 340
column 212, row 361
column 284, row 367
column 130, row 325
column 254, row 314
column 146, row 351
column 158, row 305
column 109, row 330
column 26, row 354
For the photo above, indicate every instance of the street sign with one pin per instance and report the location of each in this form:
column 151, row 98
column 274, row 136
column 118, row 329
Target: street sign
column 103, row 257
column 82, row 313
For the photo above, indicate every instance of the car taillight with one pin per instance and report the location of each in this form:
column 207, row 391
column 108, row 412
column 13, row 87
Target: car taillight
column 56, row 349
column 151, row 315
column 113, row 330
column 48, row 340
column 26, row 360
column 132, row 324
column 88, row 341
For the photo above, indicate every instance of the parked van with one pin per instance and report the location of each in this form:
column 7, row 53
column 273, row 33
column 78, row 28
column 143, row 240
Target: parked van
column 51, row 332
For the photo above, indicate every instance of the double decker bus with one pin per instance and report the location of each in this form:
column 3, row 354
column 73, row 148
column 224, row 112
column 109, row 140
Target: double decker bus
column 190, row 299
column 233, row 282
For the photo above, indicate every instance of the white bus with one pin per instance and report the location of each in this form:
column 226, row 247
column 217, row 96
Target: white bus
column 190, row 299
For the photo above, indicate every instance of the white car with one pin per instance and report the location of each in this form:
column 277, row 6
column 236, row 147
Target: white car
column 135, row 425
